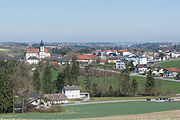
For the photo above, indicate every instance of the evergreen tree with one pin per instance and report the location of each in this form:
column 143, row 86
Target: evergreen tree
column 74, row 70
column 6, row 93
column 150, row 83
column 131, row 65
column 125, row 82
column 36, row 81
column 88, row 81
column 178, row 76
column 134, row 87
column 60, row 81
column 67, row 73
column 47, row 84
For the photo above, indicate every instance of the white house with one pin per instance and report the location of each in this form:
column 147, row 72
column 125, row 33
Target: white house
column 141, row 69
column 40, row 52
column 32, row 60
column 72, row 92
column 121, row 64
column 137, row 59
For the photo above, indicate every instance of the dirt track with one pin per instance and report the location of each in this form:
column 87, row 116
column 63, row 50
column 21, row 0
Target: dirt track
column 167, row 115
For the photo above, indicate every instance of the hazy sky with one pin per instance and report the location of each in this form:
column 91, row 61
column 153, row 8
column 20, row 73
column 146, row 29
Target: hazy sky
column 90, row 20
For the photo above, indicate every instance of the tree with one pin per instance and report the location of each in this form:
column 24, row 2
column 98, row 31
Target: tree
column 131, row 65
column 94, row 90
column 125, row 82
column 87, row 75
column 67, row 73
column 178, row 76
column 6, row 93
column 110, row 92
column 150, row 83
column 134, row 87
column 74, row 70
column 36, row 81
column 47, row 84
column 60, row 81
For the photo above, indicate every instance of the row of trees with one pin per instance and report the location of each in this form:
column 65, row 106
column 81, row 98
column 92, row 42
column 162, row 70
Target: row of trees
column 46, row 84
column 123, row 86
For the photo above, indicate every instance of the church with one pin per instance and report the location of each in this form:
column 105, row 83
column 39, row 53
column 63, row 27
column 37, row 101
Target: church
column 33, row 55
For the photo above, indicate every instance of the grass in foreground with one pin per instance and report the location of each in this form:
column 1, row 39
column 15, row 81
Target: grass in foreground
column 101, row 110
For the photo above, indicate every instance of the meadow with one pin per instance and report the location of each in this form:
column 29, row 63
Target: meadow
column 165, row 86
column 169, row 64
column 100, row 110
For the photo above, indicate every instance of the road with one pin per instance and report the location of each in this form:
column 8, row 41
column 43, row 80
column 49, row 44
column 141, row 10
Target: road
column 136, row 74
column 97, row 102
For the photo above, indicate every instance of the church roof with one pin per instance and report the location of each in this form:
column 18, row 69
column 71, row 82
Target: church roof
column 36, row 50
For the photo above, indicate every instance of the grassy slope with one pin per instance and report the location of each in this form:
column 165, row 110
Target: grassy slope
column 168, row 64
column 101, row 110
column 164, row 85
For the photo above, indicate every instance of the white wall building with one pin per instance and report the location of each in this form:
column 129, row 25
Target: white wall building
column 32, row 60
column 72, row 92
column 40, row 52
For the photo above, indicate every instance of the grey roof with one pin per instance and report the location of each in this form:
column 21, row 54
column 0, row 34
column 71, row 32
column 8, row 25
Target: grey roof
column 71, row 88
column 55, row 97
column 33, row 58
column 116, row 57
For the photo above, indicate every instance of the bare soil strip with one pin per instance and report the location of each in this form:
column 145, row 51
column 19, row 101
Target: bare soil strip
column 166, row 115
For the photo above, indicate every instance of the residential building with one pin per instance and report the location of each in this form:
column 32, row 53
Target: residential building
column 141, row 69
column 72, row 92
column 121, row 64
column 171, row 72
column 86, row 59
column 32, row 60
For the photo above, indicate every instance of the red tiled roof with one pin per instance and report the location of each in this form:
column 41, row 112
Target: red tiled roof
column 36, row 50
column 56, row 97
column 172, row 69
column 125, row 50
column 141, row 66
column 87, row 57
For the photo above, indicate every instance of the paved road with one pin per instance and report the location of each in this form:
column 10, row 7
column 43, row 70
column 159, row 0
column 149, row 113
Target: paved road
column 158, row 78
column 97, row 102
column 136, row 74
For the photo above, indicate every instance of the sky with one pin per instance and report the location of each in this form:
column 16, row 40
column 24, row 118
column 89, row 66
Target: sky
column 90, row 20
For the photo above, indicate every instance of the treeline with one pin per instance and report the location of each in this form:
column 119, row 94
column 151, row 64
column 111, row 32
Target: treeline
column 124, row 86
column 44, row 83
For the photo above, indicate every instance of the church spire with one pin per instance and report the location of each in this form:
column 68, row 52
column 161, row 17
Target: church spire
column 41, row 44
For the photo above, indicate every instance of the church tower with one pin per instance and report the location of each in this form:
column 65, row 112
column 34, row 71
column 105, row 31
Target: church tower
column 41, row 49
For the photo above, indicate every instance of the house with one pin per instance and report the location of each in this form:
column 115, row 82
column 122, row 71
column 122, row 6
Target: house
column 40, row 52
column 109, row 52
column 59, row 60
column 157, row 59
column 99, row 52
column 72, row 92
column 141, row 69
column 171, row 72
column 121, row 64
column 86, row 59
column 114, row 59
column 142, row 60
column 125, row 52
column 56, row 98
column 32, row 60
column 157, row 71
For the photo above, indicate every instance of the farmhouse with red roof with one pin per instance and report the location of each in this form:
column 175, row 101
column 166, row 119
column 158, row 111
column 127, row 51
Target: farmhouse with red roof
column 171, row 72
column 86, row 59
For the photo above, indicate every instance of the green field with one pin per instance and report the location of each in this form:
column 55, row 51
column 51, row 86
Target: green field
column 170, row 64
column 166, row 86
column 101, row 110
